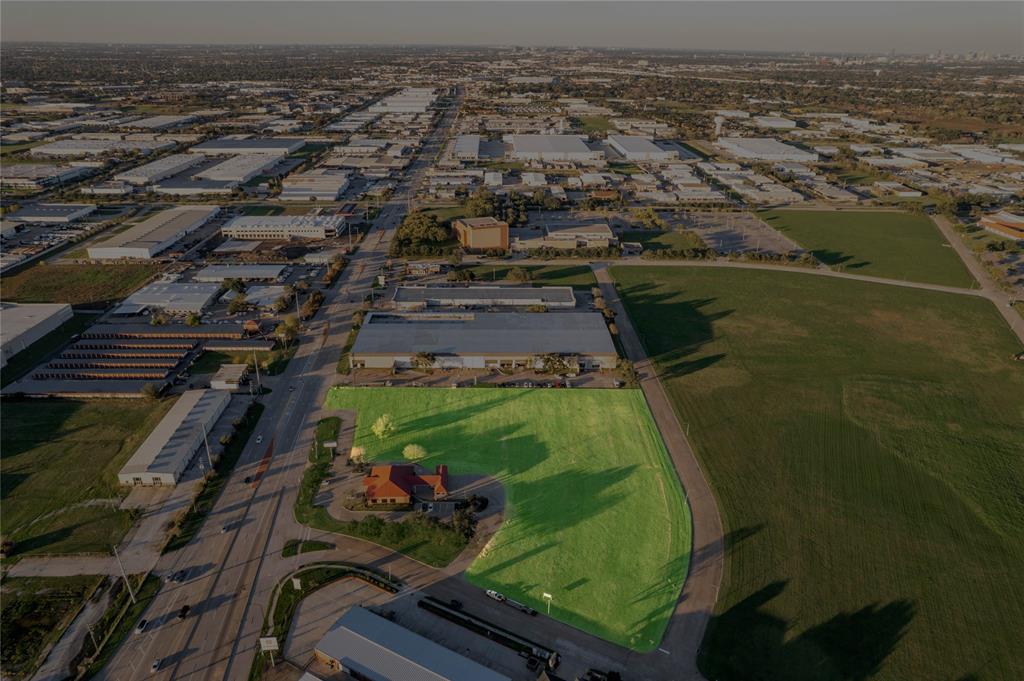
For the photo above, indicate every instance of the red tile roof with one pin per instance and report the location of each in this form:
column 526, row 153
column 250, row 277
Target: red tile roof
column 399, row 481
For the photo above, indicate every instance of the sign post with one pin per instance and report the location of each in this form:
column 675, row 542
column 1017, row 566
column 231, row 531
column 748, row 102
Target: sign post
column 268, row 644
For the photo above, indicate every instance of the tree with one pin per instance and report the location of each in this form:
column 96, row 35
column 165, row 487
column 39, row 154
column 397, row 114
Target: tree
column 383, row 427
column 287, row 330
column 463, row 522
column 414, row 452
column 151, row 391
column 158, row 318
column 236, row 285
column 481, row 203
column 193, row 319
column 552, row 363
column 238, row 304
column 519, row 275
column 357, row 318
column 423, row 360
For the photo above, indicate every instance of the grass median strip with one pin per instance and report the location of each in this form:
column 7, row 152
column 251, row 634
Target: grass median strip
column 193, row 519
column 294, row 547
column 116, row 624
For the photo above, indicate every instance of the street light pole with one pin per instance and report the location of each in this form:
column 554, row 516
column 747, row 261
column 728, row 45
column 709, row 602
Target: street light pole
column 127, row 583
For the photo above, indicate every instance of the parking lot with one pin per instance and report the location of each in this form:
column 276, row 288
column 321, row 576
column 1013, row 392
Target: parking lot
column 728, row 232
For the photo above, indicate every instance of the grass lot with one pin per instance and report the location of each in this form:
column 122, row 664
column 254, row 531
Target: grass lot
column 654, row 240
column 595, row 124
column 446, row 213
column 588, row 483
column 75, row 284
column 273, row 362
column 35, row 611
column 294, row 547
column 261, row 210
column 577, row 276
column 875, row 243
column 59, row 463
column 26, row 360
column 864, row 445
column 117, row 622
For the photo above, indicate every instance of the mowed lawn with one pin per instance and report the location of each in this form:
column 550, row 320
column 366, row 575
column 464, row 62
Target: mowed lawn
column 59, row 467
column 887, row 244
column 595, row 514
column 864, row 443
column 75, row 284
column 577, row 276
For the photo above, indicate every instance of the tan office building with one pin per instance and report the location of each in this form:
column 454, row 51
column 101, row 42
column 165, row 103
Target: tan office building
column 481, row 234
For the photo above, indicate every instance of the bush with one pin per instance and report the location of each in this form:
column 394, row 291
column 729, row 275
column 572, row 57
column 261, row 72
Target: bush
column 414, row 452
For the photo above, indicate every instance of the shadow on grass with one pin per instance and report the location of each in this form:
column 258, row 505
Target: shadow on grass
column 748, row 641
column 833, row 258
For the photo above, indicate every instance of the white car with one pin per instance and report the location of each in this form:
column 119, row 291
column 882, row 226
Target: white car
column 259, row 439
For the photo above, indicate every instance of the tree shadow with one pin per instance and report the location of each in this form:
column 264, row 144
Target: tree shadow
column 833, row 258
column 750, row 642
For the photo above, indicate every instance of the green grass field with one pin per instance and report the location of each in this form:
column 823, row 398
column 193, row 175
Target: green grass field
column 886, row 244
column 654, row 240
column 577, row 276
column 864, row 444
column 595, row 514
column 595, row 124
column 59, row 463
column 75, row 284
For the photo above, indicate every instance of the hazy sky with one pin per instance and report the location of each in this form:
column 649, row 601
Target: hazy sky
column 907, row 27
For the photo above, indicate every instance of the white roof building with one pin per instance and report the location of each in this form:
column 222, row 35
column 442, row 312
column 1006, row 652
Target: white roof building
column 636, row 148
column 172, row 297
column 218, row 273
column 322, row 184
column 764, row 149
column 277, row 227
column 552, row 148
column 153, row 235
column 279, row 146
column 159, row 169
column 23, row 324
column 171, row 447
column 96, row 147
column 467, row 147
column 241, row 168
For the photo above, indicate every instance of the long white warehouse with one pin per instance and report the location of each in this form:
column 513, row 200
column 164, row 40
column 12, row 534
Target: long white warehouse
column 275, row 227
column 170, row 448
column 636, row 148
column 764, row 149
column 154, row 235
column 552, row 148
column 24, row 324
column 159, row 169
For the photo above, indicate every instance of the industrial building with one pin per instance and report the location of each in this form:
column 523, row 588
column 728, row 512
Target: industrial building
column 218, row 273
column 153, row 235
column 230, row 146
column 409, row 100
column 636, row 148
column 483, row 340
column 467, row 148
column 36, row 176
column 322, row 184
column 552, row 148
column 409, row 298
column 160, row 122
column 93, row 147
column 23, row 324
column 174, row 298
column 764, row 149
column 567, row 235
column 159, row 169
column 239, row 169
column 171, row 447
column 277, row 227
column 53, row 213
column 230, row 377
column 1005, row 224
column 366, row 646
column 481, row 234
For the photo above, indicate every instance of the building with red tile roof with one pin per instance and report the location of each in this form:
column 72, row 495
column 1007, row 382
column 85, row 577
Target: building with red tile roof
column 400, row 483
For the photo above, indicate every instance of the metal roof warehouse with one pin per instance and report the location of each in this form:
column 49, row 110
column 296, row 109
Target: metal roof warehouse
column 412, row 297
column 167, row 452
column 480, row 340
column 155, row 234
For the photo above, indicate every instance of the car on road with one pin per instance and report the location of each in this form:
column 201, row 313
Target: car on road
column 455, row 604
column 491, row 593
column 248, row 479
column 259, row 439
column 179, row 576
column 155, row 667
column 224, row 528
column 183, row 612
column 141, row 626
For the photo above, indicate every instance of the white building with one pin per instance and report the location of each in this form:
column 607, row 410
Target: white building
column 239, row 169
column 97, row 147
column 24, row 324
column 277, row 227
column 467, row 148
column 172, row 297
column 322, row 184
column 173, row 444
column 409, row 100
column 153, row 235
column 159, row 169
column 53, row 213
column 636, row 148
column 764, row 149
column 226, row 146
column 218, row 273
column 552, row 148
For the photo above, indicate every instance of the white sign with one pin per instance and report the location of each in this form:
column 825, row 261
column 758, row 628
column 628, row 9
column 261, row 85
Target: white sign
column 331, row 444
column 545, row 595
column 296, row 583
column 268, row 643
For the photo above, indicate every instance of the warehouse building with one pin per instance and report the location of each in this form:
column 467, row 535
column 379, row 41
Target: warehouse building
column 409, row 100
column 279, row 227
column 53, row 213
column 481, row 234
column 552, row 148
column 153, row 235
column 409, row 298
column 22, row 325
column 36, row 176
column 228, row 146
column 764, row 149
column 91, row 147
column 483, row 340
column 636, row 148
column 159, row 169
column 174, row 298
column 218, row 273
column 467, row 148
column 322, row 184
column 366, row 646
column 230, row 377
column 173, row 444
column 240, row 168
column 160, row 122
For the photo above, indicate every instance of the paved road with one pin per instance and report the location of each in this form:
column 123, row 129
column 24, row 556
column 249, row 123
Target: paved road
column 231, row 573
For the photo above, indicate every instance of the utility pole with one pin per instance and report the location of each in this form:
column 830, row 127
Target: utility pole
column 256, row 364
column 206, row 441
column 125, row 576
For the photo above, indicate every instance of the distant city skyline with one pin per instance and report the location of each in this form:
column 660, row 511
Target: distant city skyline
column 821, row 27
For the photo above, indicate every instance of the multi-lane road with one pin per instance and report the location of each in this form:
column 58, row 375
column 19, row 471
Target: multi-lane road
column 234, row 563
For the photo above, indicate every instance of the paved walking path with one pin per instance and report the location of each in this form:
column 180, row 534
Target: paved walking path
column 700, row 591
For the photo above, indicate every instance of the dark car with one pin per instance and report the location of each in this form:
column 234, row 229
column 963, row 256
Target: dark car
column 248, row 479
column 183, row 612
column 141, row 626
column 179, row 576
column 455, row 604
